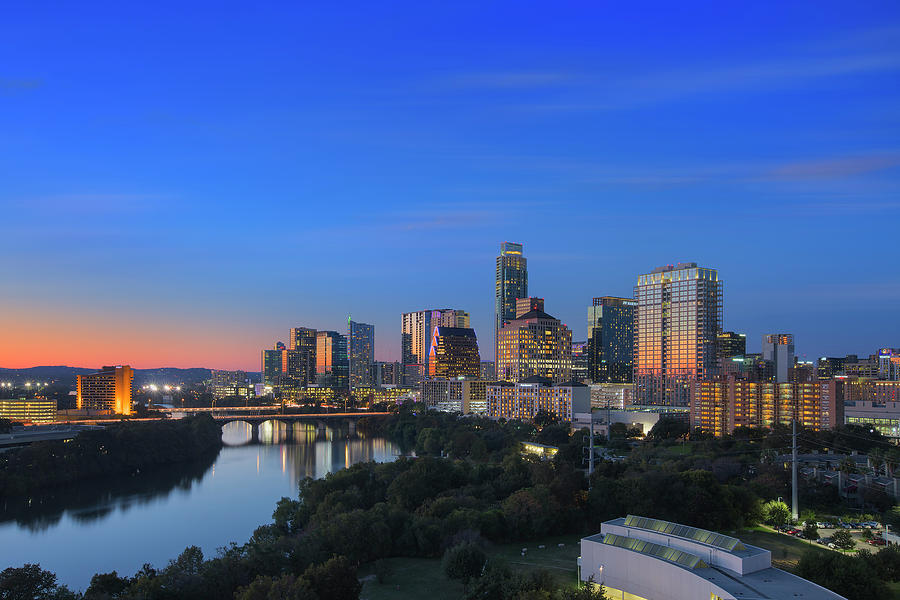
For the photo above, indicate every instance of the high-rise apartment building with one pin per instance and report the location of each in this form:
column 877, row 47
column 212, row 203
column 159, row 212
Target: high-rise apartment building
column 723, row 403
column 361, row 353
column 580, row 361
column 332, row 363
column 678, row 319
column 489, row 370
column 535, row 344
column 416, row 329
column 610, row 348
column 386, row 373
column 454, row 353
column 512, row 284
column 778, row 348
column 107, row 389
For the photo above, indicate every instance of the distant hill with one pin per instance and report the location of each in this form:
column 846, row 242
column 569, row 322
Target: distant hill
column 66, row 375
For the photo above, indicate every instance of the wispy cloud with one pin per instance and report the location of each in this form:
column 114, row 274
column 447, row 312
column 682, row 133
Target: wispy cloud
column 513, row 80
column 834, row 168
column 12, row 86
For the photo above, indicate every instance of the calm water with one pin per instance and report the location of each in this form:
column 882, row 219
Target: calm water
column 122, row 524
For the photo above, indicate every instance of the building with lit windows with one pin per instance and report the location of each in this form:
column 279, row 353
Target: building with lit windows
column 109, row 389
column 453, row 353
column 229, row 383
column 466, row 396
column 889, row 364
column 360, row 352
column 729, row 345
column 416, row 331
column 28, row 410
column 778, row 348
column 610, row 347
column 721, row 404
column 386, row 373
column 678, row 319
column 580, row 361
column 271, row 365
column 612, row 395
column 489, row 370
column 301, row 356
column 512, row 284
column 523, row 400
column 535, row 343
column 637, row 558
column 873, row 403
column 524, row 305
column 332, row 364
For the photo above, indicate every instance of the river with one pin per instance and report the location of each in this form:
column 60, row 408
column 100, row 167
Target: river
column 122, row 523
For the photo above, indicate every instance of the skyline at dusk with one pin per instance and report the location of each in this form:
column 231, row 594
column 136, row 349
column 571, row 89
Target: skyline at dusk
column 182, row 185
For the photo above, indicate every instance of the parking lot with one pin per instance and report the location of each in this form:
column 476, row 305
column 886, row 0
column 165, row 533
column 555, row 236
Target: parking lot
column 857, row 531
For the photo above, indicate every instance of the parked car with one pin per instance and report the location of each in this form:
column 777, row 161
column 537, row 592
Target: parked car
column 877, row 541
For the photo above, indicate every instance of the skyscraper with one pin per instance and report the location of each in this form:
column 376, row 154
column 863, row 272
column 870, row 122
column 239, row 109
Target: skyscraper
column 361, row 352
column 524, row 305
column 730, row 345
column 512, row 283
column 300, row 359
column 535, row 344
column 778, row 348
column 679, row 316
column 610, row 347
column 416, row 329
column 271, row 362
column 107, row 389
column 453, row 353
column 332, row 363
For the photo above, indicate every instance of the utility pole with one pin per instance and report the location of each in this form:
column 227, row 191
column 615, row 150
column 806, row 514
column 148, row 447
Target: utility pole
column 794, row 511
column 591, row 458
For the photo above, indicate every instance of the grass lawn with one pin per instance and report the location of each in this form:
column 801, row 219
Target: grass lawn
column 416, row 578
column 786, row 550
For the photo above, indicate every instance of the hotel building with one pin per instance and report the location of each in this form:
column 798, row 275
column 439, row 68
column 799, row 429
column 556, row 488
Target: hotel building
column 453, row 353
column 678, row 319
column 28, row 410
column 535, row 343
column 109, row 389
column 524, row 399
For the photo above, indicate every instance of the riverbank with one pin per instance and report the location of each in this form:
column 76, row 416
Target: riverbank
column 117, row 449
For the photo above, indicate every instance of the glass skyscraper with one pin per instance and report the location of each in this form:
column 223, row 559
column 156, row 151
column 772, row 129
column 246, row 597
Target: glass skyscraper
column 512, row 283
column 610, row 346
column 679, row 316
column 361, row 352
column 332, row 363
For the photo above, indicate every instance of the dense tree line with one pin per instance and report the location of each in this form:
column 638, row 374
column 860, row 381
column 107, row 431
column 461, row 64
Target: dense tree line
column 117, row 449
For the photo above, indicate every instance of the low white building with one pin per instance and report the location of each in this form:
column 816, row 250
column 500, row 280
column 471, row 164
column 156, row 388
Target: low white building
column 637, row 558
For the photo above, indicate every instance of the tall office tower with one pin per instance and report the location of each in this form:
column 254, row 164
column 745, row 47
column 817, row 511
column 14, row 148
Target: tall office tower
column 512, row 284
column 270, row 365
column 301, row 356
column 679, row 316
column 416, row 329
column 453, row 353
column 778, row 348
column 489, row 370
column 524, row 305
column 107, row 389
column 610, row 347
column 579, row 361
column 729, row 345
column 332, row 364
column 385, row 373
column 535, row 344
column 361, row 353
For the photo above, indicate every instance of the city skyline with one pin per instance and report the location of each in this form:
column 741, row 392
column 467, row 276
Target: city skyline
column 142, row 179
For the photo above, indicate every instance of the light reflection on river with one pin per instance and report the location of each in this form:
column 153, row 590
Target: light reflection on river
column 122, row 524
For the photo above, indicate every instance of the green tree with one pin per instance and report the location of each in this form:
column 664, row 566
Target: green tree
column 668, row 429
column 28, row 582
column 335, row 579
column 776, row 513
column 545, row 417
column 843, row 540
column 287, row 587
column 464, row 562
column 810, row 531
column 106, row 586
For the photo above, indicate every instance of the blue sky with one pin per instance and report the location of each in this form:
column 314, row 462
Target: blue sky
column 182, row 184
